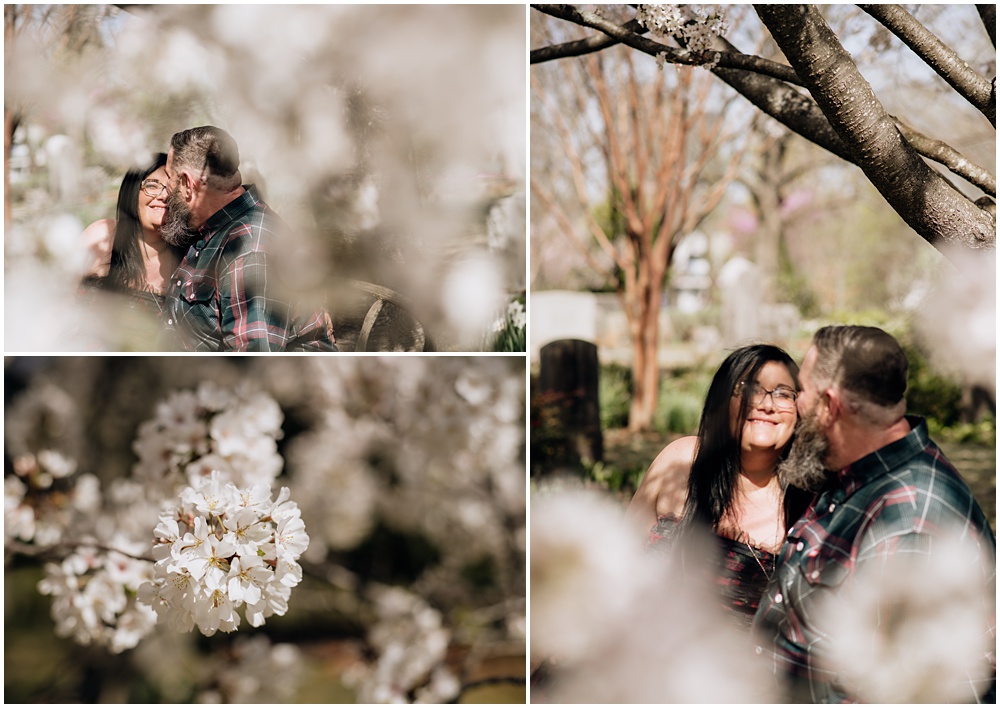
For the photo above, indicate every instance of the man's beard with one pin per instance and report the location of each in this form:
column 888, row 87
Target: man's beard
column 804, row 467
column 175, row 229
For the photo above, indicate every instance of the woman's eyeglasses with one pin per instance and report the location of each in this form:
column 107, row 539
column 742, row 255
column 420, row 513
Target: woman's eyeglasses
column 152, row 187
column 782, row 397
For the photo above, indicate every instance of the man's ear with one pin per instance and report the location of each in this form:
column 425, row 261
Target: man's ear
column 186, row 184
column 831, row 406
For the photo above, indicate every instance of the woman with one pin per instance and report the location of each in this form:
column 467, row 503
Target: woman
column 131, row 258
column 725, row 479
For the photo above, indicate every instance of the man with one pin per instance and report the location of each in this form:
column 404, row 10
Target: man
column 222, row 297
column 887, row 495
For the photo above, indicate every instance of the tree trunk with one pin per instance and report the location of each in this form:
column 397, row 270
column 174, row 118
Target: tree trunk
column 645, row 369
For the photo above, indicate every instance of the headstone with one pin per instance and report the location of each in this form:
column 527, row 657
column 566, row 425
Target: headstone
column 739, row 285
column 561, row 314
column 568, row 405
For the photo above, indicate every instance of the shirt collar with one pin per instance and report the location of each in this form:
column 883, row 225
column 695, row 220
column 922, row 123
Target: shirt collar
column 886, row 458
column 243, row 203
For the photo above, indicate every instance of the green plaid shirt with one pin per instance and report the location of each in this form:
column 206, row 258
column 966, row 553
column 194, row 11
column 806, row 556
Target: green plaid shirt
column 221, row 298
column 891, row 502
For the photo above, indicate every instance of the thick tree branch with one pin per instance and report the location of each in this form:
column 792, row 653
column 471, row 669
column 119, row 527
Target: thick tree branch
column 937, row 55
column 926, row 201
column 988, row 14
column 726, row 59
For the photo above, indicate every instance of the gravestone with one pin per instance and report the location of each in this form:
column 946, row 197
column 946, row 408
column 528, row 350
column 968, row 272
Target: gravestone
column 739, row 283
column 569, row 410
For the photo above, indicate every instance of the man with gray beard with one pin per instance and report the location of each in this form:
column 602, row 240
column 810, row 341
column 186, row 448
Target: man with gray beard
column 222, row 296
column 886, row 494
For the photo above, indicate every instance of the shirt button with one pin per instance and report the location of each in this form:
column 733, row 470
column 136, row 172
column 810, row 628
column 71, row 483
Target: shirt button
column 170, row 321
column 778, row 598
column 799, row 546
column 832, row 507
column 814, row 574
column 178, row 283
column 758, row 649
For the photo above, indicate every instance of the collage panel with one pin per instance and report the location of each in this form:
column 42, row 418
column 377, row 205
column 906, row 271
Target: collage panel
column 279, row 529
column 763, row 354
column 251, row 178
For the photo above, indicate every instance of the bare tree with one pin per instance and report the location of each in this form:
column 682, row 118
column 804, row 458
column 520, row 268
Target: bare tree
column 620, row 124
column 841, row 112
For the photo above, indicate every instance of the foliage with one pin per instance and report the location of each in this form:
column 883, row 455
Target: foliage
column 615, row 392
column 509, row 332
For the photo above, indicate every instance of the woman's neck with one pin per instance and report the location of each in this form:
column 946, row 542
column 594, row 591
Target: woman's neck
column 757, row 471
column 159, row 259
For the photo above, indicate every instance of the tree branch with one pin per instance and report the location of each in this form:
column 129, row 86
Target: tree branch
column 937, row 55
column 924, row 199
column 672, row 55
column 60, row 550
column 579, row 47
column 949, row 157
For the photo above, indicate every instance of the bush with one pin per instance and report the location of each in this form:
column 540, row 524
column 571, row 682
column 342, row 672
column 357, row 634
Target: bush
column 614, row 389
column 681, row 398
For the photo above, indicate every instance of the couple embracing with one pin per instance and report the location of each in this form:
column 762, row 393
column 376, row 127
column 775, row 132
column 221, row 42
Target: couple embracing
column 191, row 245
column 812, row 483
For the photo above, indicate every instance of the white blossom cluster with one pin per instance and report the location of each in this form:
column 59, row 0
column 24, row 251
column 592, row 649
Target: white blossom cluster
column 224, row 548
column 696, row 26
column 412, row 644
column 44, row 497
column 94, row 598
column 192, row 433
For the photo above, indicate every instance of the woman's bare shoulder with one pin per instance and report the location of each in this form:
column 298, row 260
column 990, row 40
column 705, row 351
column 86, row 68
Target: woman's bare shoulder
column 97, row 240
column 663, row 490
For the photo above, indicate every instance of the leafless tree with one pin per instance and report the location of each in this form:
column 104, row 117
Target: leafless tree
column 652, row 140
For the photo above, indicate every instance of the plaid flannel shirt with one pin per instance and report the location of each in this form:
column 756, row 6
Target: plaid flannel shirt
column 890, row 502
column 220, row 297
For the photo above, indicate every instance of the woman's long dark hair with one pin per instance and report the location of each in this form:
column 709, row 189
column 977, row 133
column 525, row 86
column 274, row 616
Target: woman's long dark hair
column 714, row 473
column 128, row 271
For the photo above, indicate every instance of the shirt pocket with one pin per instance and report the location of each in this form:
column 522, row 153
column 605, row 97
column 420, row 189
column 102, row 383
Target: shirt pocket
column 825, row 569
column 198, row 292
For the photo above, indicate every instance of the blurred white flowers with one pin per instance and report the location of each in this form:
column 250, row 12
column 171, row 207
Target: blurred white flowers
column 212, row 428
column 621, row 626
column 412, row 644
column 221, row 549
column 913, row 631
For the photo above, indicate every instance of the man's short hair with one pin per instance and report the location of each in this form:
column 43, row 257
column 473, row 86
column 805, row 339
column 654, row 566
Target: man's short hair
column 866, row 361
column 211, row 152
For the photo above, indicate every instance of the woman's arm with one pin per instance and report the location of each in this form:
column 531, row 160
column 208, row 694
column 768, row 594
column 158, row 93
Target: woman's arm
column 663, row 490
